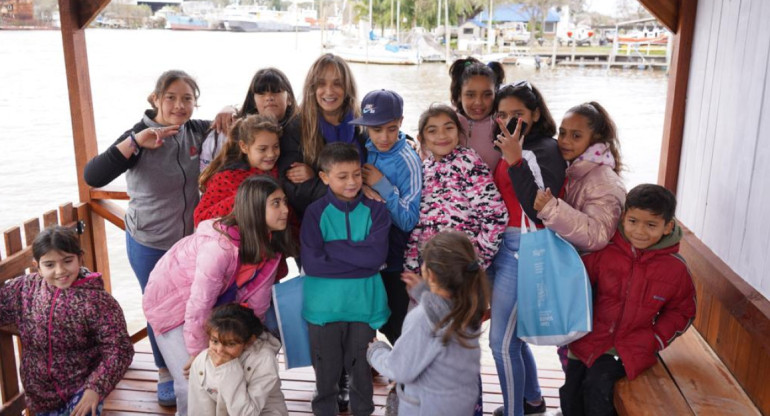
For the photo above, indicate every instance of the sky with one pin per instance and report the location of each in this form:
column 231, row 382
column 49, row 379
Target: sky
column 606, row 7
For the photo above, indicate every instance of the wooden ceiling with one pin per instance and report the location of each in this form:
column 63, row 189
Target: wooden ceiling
column 667, row 11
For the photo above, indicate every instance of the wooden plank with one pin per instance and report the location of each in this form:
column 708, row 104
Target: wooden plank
column 651, row 393
column 9, row 382
column 139, row 335
column 110, row 211
column 12, row 238
column 87, row 11
column 704, row 381
column 667, row 11
column 31, row 230
column 16, row 264
column 50, row 218
column 13, row 407
column 743, row 302
column 676, row 99
column 117, row 192
column 83, row 213
column 66, row 214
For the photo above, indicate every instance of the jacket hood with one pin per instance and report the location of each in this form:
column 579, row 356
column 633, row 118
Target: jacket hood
column 265, row 341
column 595, row 156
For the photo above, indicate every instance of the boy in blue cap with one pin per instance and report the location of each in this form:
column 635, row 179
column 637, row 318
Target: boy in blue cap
column 394, row 171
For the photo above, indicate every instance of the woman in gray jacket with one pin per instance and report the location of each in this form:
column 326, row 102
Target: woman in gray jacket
column 437, row 356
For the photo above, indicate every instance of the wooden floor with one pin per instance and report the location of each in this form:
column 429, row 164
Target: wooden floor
column 136, row 393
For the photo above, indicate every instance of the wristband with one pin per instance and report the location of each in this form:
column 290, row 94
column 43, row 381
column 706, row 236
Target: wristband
column 134, row 143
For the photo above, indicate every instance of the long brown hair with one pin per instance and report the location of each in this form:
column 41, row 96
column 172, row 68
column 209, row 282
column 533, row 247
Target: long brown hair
column 243, row 131
column 312, row 140
column 257, row 242
column 602, row 127
column 452, row 259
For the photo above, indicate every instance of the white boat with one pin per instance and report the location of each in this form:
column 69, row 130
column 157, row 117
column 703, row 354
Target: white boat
column 261, row 19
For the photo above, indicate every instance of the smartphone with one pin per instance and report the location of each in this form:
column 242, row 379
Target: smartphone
column 511, row 126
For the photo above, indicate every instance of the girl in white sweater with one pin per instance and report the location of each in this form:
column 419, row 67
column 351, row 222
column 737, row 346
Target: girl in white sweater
column 238, row 373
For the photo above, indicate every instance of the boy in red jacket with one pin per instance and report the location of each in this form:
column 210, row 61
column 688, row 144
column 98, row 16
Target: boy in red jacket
column 643, row 299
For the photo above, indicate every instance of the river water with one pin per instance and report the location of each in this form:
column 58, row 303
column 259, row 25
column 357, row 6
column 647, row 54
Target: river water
column 37, row 166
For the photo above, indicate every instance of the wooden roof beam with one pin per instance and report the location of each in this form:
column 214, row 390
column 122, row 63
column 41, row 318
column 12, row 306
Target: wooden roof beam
column 82, row 11
column 667, row 11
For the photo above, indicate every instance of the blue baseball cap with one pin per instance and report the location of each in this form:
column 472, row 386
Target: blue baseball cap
column 380, row 107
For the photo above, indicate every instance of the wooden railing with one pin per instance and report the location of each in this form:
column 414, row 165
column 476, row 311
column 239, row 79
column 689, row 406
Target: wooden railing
column 18, row 261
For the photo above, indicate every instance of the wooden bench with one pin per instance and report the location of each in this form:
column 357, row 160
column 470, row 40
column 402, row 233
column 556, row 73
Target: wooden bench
column 720, row 365
column 688, row 379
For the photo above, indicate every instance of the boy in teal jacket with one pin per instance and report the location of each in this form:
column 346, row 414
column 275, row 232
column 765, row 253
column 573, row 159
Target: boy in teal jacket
column 344, row 244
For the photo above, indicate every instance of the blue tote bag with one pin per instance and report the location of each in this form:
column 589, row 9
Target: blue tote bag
column 555, row 302
column 287, row 300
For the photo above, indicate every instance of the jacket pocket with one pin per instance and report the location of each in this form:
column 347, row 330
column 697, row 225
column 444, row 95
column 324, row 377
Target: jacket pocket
column 402, row 395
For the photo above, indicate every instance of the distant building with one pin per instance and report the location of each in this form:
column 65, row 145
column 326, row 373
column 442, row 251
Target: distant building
column 518, row 13
column 17, row 12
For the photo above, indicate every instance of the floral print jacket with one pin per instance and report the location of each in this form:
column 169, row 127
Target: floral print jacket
column 458, row 193
column 72, row 339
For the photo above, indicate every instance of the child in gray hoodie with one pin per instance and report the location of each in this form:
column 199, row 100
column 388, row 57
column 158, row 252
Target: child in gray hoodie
column 437, row 356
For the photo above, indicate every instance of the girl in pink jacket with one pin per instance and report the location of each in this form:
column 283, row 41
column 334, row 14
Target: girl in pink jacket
column 234, row 258
column 594, row 195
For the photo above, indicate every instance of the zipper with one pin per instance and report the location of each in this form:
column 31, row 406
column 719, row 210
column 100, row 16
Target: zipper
column 625, row 297
column 50, row 346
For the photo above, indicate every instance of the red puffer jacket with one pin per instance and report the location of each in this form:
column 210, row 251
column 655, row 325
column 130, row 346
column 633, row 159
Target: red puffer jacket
column 643, row 299
column 219, row 198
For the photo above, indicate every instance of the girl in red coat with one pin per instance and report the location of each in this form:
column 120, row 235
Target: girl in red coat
column 252, row 149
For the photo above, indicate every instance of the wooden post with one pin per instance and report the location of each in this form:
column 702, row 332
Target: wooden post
column 676, row 100
column 75, row 16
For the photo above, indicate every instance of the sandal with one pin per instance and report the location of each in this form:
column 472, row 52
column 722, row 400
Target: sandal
column 166, row 395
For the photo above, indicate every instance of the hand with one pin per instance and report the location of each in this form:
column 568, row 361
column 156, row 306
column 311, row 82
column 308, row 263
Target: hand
column 224, row 119
column 371, row 174
column 219, row 359
column 542, row 198
column 411, row 279
column 186, row 368
column 510, row 144
column 373, row 341
column 87, row 404
column 299, row 172
column 371, row 194
column 153, row 137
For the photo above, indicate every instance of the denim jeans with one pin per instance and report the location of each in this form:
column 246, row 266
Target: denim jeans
column 142, row 260
column 514, row 360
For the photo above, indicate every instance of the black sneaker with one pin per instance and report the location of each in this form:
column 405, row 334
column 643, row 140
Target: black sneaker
column 528, row 409
column 534, row 410
column 343, row 395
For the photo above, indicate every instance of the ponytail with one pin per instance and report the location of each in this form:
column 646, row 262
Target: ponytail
column 603, row 128
column 451, row 258
column 464, row 68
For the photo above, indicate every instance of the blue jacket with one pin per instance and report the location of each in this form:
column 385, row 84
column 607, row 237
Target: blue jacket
column 343, row 247
column 401, row 187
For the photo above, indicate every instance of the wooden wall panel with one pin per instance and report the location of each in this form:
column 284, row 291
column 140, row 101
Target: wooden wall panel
column 724, row 180
column 690, row 186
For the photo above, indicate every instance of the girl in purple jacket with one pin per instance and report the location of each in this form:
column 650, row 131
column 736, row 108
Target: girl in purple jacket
column 233, row 258
column 75, row 344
